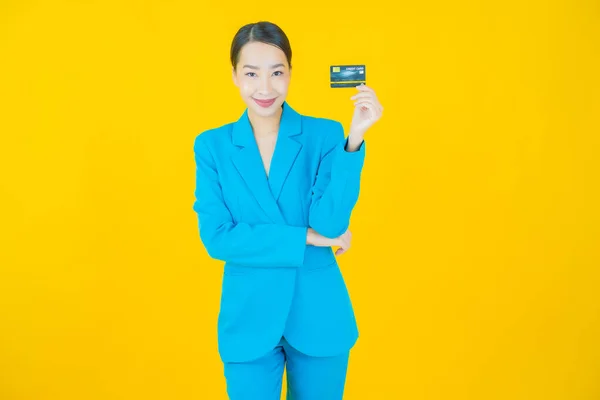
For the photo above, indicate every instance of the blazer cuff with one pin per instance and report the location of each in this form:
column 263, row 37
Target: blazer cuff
column 349, row 161
column 295, row 245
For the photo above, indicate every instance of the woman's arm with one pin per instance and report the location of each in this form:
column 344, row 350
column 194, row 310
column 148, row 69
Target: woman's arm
column 260, row 245
column 337, row 185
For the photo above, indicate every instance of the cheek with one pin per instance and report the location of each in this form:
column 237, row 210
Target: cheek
column 246, row 87
column 281, row 85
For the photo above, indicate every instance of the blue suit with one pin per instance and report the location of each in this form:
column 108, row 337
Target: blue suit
column 274, row 284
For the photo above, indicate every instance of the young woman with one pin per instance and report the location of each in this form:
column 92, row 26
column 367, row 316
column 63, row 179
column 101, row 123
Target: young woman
column 274, row 193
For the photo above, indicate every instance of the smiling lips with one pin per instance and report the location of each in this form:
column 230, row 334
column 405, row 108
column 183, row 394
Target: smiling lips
column 264, row 103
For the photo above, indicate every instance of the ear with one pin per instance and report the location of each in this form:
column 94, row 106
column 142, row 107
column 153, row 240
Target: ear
column 234, row 76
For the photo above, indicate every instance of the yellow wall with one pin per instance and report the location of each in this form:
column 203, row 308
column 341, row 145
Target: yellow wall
column 474, row 267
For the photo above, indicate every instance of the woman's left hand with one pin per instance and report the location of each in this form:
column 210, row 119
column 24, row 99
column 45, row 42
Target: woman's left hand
column 367, row 111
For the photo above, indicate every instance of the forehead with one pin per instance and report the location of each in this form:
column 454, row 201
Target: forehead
column 261, row 54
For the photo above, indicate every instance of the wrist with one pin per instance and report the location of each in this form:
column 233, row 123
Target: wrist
column 310, row 236
column 354, row 142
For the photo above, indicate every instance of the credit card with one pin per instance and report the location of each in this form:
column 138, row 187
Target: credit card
column 343, row 76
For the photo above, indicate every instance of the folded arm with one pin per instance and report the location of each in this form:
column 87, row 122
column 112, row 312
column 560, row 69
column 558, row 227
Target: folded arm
column 253, row 245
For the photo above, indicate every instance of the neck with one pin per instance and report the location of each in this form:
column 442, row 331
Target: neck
column 265, row 126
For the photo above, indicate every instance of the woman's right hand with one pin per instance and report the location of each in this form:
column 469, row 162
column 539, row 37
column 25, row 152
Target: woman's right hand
column 316, row 239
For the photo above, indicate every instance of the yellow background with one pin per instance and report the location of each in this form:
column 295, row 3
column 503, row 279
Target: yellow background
column 475, row 258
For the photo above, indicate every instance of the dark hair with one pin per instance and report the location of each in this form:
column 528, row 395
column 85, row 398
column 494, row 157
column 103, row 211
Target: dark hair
column 263, row 31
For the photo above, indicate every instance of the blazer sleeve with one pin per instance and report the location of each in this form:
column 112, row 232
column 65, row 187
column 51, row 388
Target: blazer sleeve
column 337, row 185
column 253, row 245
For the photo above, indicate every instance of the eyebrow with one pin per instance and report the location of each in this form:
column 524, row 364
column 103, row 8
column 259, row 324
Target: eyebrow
column 255, row 67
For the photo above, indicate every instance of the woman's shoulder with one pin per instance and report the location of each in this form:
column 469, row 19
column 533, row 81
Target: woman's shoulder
column 212, row 134
column 322, row 127
column 319, row 122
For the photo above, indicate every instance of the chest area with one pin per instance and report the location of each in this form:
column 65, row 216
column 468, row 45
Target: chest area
column 266, row 149
column 271, row 181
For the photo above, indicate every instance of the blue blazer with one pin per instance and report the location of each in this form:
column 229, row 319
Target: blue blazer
column 274, row 284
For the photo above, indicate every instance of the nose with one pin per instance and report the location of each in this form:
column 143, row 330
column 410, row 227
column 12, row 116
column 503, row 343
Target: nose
column 265, row 85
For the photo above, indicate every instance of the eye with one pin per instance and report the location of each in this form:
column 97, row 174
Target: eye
column 250, row 73
column 281, row 72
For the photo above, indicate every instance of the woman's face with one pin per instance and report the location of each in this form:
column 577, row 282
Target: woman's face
column 262, row 73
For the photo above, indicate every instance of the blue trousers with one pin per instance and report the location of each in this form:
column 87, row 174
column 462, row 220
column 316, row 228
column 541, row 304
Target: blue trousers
column 308, row 378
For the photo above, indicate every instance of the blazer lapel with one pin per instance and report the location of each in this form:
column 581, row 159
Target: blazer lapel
column 249, row 164
column 286, row 149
